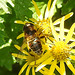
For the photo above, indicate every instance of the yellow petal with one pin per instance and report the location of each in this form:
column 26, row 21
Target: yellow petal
column 73, row 50
column 20, row 22
column 19, row 56
column 54, row 74
column 70, row 66
column 33, row 20
column 66, row 17
column 45, row 69
column 18, row 47
column 72, row 44
column 48, row 5
column 65, row 30
column 44, row 57
column 41, row 71
column 44, row 63
column 51, row 12
column 20, row 36
column 45, row 72
column 23, row 51
column 72, row 57
column 62, row 29
column 72, row 39
column 58, row 29
column 47, row 9
column 58, row 69
column 52, row 67
column 37, row 9
column 33, row 53
column 39, row 67
column 53, row 31
column 48, row 41
column 24, row 45
column 29, row 59
column 33, row 72
column 23, row 68
column 28, row 69
column 62, row 68
column 45, row 47
column 70, row 33
column 52, row 39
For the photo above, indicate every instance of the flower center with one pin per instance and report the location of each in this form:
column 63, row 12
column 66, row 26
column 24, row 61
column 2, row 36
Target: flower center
column 45, row 26
column 60, row 50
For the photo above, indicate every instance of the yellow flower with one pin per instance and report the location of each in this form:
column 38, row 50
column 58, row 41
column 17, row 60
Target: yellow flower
column 28, row 58
column 61, row 51
column 43, row 24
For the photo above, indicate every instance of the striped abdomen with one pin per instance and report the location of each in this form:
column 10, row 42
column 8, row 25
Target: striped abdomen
column 35, row 45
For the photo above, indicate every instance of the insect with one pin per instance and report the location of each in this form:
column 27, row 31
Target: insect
column 31, row 38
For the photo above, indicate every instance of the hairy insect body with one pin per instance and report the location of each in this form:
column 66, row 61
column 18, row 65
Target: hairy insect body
column 32, row 39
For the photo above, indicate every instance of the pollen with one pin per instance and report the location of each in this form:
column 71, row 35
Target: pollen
column 45, row 26
column 60, row 50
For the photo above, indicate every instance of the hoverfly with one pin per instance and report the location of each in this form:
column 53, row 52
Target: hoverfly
column 31, row 38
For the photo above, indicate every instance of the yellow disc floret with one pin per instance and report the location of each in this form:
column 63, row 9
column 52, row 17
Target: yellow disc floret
column 45, row 26
column 60, row 50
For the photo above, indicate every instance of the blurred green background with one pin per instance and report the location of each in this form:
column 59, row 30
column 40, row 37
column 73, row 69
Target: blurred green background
column 11, row 10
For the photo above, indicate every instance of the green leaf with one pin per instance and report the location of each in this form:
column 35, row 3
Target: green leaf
column 6, row 58
column 4, row 71
column 2, row 34
column 8, row 30
column 22, row 9
column 2, row 41
column 70, row 4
